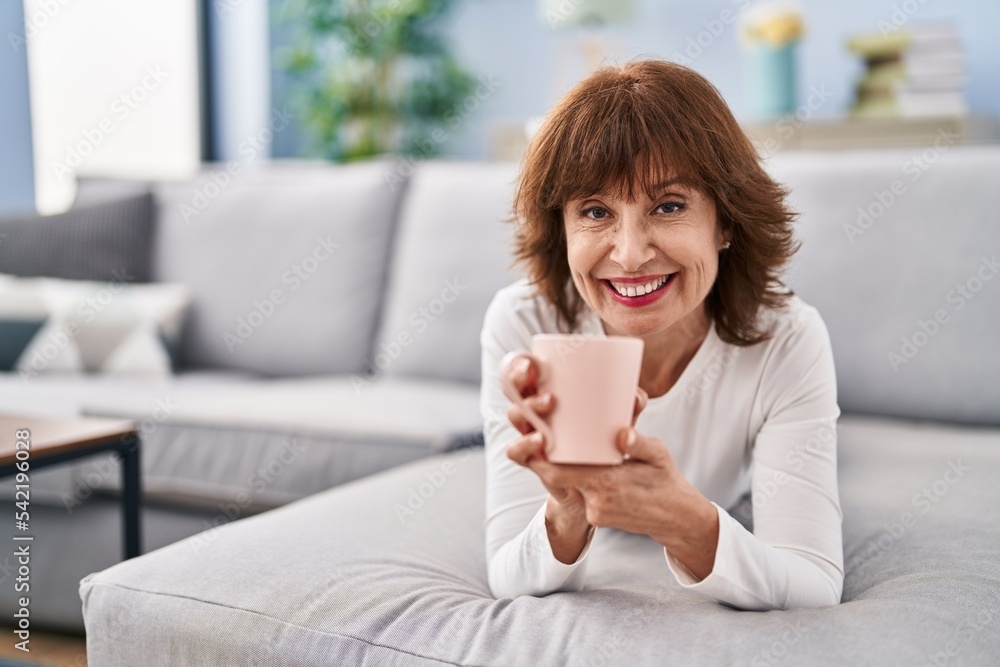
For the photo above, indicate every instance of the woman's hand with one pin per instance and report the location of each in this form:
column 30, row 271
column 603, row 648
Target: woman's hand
column 648, row 495
column 565, row 509
column 567, row 502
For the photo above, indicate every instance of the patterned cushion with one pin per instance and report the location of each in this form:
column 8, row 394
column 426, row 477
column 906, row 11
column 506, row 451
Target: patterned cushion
column 54, row 325
column 110, row 240
column 21, row 316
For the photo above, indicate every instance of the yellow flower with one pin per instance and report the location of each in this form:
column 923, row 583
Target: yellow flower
column 774, row 28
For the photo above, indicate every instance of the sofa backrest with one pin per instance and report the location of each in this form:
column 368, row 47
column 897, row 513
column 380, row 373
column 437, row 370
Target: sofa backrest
column 899, row 254
column 451, row 254
column 286, row 261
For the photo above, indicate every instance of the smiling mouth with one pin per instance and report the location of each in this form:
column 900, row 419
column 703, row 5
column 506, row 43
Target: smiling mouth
column 642, row 289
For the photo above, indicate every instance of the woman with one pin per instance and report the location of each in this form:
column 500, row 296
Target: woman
column 643, row 211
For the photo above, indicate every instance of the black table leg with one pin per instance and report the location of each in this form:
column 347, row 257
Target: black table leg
column 131, row 495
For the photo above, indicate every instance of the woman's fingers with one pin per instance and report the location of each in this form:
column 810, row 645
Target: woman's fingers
column 524, row 376
column 638, row 447
column 523, row 449
column 640, row 404
column 542, row 404
column 529, row 451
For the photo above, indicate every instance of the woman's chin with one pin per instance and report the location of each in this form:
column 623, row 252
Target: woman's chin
column 635, row 324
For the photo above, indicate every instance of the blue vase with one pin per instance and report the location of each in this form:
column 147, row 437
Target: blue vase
column 772, row 80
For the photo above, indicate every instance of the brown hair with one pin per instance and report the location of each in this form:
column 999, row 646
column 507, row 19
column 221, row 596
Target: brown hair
column 599, row 138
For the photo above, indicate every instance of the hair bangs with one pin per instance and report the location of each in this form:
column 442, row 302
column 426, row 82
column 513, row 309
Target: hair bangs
column 619, row 146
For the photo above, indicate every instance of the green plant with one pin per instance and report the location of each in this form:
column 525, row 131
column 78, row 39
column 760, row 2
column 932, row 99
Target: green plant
column 371, row 76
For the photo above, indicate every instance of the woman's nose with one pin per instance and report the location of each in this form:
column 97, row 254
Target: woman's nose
column 632, row 245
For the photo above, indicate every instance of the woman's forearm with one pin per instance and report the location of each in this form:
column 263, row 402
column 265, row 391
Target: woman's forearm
column 567, row 532
column 693, row 541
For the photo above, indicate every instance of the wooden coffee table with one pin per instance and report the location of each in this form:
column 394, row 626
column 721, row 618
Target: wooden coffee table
column 29, row 443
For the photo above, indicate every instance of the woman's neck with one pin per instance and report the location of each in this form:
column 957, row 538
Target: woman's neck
column 667, row 353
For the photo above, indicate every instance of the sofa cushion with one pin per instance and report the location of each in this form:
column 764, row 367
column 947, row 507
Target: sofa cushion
column 287, row 264
column 391, row 570
column 60, row 395
column 70, row 394
column 452, row 253
column 91, row 326
column 900, row 256
column 22, row 316
column 108, row 239
column 263, row 444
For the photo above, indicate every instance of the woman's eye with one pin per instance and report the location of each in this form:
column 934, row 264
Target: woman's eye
column 671, row 207
column 594, row 213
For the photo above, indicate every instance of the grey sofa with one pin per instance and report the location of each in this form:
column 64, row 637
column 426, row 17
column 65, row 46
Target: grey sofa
column 310, row 399
column 390, row 569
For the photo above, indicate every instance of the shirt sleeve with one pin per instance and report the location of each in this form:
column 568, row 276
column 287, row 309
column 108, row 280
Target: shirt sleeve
column 520, row 558
column 794, row 558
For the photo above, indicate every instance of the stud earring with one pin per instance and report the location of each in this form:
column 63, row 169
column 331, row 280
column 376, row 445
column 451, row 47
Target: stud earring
column 726, row 245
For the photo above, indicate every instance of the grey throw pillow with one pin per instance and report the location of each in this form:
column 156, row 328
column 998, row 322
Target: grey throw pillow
column 107, row 241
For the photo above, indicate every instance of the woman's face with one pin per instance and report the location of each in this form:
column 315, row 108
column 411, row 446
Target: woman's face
column 643, row 265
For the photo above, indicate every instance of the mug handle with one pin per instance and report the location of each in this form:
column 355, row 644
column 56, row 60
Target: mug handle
column 511, row 392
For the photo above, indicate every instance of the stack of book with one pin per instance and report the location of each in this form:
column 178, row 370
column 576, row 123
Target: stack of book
column 910, row 72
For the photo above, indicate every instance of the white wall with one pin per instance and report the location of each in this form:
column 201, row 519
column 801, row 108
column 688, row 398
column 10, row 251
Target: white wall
column 114, row 91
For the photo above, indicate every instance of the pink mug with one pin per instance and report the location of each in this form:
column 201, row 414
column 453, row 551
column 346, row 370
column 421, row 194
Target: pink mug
column 594, row 379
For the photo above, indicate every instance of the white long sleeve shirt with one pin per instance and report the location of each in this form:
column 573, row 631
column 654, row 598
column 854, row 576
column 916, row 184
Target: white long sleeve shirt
column 759, row 418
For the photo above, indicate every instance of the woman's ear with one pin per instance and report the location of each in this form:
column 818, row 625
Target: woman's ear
column 723, row 240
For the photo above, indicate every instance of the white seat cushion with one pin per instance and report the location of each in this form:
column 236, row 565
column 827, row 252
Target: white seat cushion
column 344, row 578
column 270, row 442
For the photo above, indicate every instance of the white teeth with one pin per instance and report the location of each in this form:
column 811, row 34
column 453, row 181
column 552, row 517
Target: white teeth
column 639, row 290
